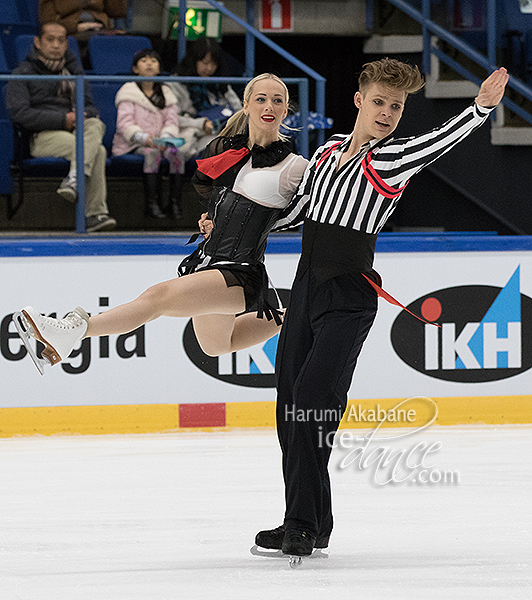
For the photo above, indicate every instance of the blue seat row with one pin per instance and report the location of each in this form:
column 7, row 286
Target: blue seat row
column 110, row 54
column 18, row 12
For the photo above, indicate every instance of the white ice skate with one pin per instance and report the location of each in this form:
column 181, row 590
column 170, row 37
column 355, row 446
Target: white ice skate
column 59, row 336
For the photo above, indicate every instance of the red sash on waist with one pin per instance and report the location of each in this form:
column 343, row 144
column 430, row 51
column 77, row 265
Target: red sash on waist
column 389, row 298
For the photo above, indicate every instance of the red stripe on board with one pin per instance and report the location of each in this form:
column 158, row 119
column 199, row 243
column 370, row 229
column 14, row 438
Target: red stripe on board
column 202, row 415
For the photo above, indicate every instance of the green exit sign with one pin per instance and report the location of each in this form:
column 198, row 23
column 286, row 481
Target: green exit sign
column 199, row 22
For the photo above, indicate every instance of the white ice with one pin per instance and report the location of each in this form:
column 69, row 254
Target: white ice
column 171, row 516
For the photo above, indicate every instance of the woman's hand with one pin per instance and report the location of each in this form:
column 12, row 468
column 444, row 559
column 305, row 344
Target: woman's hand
column 492, row 88
column 208, row 127
column 205, row 225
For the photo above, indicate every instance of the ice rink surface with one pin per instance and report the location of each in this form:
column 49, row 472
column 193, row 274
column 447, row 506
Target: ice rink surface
column 172, row 516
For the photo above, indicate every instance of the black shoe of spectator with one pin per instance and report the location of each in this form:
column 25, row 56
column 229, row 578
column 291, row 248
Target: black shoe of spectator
column 154, row 211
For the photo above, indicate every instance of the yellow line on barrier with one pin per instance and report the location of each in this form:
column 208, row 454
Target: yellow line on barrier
column 250, row 414
column 89, row 420
column 418, row 411
column 363, row 414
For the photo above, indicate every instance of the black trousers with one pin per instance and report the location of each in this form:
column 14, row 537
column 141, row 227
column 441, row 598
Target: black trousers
column 325, row 327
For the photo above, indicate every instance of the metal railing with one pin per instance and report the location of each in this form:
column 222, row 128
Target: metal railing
column 79, row 81
column 251, row 35
column 489, row 62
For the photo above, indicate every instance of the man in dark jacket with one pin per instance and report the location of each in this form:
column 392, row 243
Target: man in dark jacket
column 47, row 110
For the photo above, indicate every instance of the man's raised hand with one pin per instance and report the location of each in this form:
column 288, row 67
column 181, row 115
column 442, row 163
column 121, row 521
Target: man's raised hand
column 492, row 88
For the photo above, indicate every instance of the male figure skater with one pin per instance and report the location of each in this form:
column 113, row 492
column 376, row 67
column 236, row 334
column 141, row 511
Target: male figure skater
column 351, row 186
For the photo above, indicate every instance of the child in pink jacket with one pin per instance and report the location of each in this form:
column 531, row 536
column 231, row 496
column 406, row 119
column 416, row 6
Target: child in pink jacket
column 146, row 112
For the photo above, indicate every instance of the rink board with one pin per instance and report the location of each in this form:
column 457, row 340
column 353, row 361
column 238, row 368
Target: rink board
column 474, row 369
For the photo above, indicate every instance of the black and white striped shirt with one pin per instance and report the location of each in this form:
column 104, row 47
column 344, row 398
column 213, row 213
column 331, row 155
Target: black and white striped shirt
column 364, row 192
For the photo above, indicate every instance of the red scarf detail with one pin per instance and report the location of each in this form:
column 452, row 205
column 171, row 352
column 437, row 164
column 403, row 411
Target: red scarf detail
column 214, row 166
column 389, row 298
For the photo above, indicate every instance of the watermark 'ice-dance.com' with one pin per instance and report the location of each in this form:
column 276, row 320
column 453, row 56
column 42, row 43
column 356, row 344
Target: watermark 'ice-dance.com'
column 388, row 464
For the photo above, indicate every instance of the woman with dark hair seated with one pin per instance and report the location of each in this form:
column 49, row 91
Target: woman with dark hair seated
column 204, row 107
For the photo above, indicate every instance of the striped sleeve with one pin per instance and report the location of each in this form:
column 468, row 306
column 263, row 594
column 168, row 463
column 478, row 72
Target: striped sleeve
column 399, row 159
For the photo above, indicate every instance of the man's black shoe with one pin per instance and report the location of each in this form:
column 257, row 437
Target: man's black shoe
column 298, row 542
column 273, row 539
column 270, row 538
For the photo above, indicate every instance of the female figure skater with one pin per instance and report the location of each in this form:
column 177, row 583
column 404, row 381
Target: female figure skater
column 146, row 111
column 249, row 176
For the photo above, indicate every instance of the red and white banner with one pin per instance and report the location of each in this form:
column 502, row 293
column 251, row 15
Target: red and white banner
column 276, row 15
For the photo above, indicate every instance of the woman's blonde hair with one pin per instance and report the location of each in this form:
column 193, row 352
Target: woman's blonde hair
column 391, row 73
column 238, row 123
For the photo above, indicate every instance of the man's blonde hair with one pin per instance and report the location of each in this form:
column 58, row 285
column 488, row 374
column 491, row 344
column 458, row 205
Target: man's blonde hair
column 391, row 73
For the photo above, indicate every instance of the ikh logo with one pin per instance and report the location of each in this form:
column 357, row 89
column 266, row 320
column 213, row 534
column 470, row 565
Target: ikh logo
column 252, row 367
column 485, row 333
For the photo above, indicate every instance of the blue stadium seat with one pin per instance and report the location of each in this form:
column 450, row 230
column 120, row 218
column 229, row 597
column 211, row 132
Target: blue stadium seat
column 24, row 165
column 4, row 67
column 23, row 45
column 113, row 54
column 6, row 131
column 30, row 8
column 10, row 12
column 6, row 135
column 103, row 95
column 8, row 35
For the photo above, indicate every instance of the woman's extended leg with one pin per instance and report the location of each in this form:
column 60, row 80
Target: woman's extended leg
column 220, row 334
column 196, row 295
column 200, row 293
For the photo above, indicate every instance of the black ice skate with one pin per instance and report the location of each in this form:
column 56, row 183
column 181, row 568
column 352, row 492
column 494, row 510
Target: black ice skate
column 297, row 543
column 269, row 544
column 273, row 539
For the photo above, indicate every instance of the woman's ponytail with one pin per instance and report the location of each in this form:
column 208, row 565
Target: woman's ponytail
column 236, row 124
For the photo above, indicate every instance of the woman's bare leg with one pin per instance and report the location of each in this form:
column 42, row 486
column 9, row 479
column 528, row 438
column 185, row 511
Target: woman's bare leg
column 201, row 293
column 221, row 334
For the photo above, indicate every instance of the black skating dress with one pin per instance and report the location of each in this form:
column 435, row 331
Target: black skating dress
column 245, row 193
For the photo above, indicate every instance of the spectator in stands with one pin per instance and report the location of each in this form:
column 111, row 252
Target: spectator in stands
column 83, row 18
column 146, row 114
column 204, row 107
column 47, row 109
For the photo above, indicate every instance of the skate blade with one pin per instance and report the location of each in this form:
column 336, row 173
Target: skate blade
column 26, row 331
column 266, row 552
column 295, row 561
column 49, row 352
column 271, row 553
